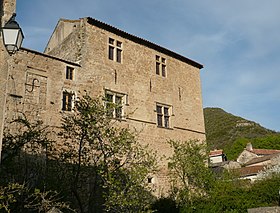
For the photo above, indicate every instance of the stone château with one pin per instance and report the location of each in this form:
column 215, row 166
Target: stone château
column 159, row 91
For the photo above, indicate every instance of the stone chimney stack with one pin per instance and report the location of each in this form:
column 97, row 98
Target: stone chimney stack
column 8, row 7
column 249, row 147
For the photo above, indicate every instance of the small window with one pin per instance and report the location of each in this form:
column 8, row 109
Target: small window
column 150, row 180
column 160, row 66
column 163, row 116
column 119, row 55
column 115, row 50
column 163, row 70
column 119, row 44
column 67, row 101
column 69, row 73
column 114, row 104
column 157, row 68
column 111, row 41
column 111, row 53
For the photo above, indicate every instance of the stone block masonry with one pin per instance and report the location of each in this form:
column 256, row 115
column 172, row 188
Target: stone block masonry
column 159, row 90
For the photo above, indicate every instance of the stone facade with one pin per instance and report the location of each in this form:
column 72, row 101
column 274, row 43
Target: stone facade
column 160, row 106
column 35, row 86
column 8, row 7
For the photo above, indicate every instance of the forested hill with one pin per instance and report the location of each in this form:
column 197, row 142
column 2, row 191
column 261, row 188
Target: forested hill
column 226, row 131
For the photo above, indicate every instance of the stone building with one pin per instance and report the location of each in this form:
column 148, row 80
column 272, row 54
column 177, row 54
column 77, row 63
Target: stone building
column 159, row 90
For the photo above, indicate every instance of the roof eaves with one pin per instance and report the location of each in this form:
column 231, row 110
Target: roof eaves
column 142, row 41
column 49, row 56
column 262, row 159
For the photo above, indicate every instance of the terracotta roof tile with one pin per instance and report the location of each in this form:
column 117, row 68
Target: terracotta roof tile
column 262, row 159
column 264, row 151
column 215, row 152
column 252, row 170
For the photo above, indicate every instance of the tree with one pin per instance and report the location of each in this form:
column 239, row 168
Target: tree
column 19, row 198
column 109, row 166
column 190, row 176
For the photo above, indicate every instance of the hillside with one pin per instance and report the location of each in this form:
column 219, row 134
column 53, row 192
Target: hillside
column 223, row 129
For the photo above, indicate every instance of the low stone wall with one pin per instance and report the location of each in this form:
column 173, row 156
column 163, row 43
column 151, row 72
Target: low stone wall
column 275, row 209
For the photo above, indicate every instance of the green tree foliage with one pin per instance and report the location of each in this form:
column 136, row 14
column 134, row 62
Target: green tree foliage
column 233, row 150
column 21, row 133
column 107, row 158
column 19, row 198
column 94, row 163
column 223, row 129
column 268, row 142
column 190, row 177
column 235, row 195
column 198, row 190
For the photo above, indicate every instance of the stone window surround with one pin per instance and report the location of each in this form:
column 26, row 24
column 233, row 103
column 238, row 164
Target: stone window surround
column 164, row 112
column 115, row 50
column 66, row 95
column 124, row 101
column 69, row 73
column 161, row 65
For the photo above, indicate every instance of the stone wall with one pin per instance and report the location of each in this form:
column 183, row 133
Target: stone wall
column 36, row 82
column 35, row 86
column 8, row 7
column 135, row 77
column 274, row 209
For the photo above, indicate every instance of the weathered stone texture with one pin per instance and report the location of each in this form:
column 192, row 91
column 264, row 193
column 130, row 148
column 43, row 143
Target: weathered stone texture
column 8, row 7
column 136, row 78
column 274, row 209
column 35, row 87
column 36, row 83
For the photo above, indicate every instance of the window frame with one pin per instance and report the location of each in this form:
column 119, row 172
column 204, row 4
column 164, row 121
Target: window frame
column 115, row 50
column 117, row 111
column 161, row 66
column 69, row 73
column 68, row 105
column 163, row 112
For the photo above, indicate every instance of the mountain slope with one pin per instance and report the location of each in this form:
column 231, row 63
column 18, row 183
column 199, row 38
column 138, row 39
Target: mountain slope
column 223, row 128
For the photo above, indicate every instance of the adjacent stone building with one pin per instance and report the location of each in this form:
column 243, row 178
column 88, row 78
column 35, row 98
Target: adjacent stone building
column 159, row 91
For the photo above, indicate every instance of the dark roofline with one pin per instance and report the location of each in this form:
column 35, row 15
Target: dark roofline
column 142, row 41
column 262, row 159
column 49, row 56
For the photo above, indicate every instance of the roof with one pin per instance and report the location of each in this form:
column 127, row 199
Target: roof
column 142, row 41
column 216, row 153
column 252, row 170
column 264, row 151
column 262, row 159
column 49, row 56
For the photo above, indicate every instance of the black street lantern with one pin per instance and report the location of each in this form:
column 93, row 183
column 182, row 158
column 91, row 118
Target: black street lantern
column 12, row 35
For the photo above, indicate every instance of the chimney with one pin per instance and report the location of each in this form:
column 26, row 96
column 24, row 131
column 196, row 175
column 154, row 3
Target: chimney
column 8, row 7
column 249, row 147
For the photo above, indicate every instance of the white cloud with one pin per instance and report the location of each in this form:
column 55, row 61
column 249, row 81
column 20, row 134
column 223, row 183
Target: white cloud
column 237, row 41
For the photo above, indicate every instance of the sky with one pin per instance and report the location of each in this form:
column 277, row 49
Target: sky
column 237, row 41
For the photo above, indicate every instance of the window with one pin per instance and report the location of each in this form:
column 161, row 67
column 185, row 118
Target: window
column 115, row 50
column 160, row 66
column 69, row 73
column 150, row 180
column 163, row 116
column 67, row 101
column 114, row 104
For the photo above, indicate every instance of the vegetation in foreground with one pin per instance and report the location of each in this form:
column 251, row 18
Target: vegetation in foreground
column 97, row 167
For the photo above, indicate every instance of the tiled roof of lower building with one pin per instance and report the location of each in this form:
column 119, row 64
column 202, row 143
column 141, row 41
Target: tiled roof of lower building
column 251, row 170
column 264, row 151
column 215, row 152
column 262, row 159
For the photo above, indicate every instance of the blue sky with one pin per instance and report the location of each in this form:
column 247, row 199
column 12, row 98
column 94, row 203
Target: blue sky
column 237, row 41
